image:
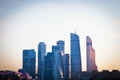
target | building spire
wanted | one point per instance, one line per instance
(76, 29)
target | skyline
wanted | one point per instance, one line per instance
(23, 26)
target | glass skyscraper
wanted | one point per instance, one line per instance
(53, 65)
(64, 58)
(58, 63)
(49, 66)
(61, 44)
(91, 65)
(76, 65)
(66, 66)
(29, 62)
(41, 55)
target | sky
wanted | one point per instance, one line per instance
(25, 23)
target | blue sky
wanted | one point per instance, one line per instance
(23, 24)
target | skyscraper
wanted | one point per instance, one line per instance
(29, 62)
(65, 58)
(53, 65)
(66, 66)
(49, 66)
(41, 54)
(61, 44)
(91, 65)
(58, 63)
(76, 65)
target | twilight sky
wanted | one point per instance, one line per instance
(23, 24)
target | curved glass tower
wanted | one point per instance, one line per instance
(91, 65)
(76, 65)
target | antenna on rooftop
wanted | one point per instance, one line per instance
(76, 29)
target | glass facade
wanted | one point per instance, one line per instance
(61, 44)
(53, 69)
(49, 66)
(58, 63)
(29, 62)
(76, 65)
(41, 54)
(91, 65)
(66, 66)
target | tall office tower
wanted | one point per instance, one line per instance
(29, 62)
(41, 54)
(91, 65)
(66, 66)
(58, 63)
(76, 65)
(65, 58)
(49, 66)
(61, 44)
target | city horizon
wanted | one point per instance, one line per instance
(50, 51)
